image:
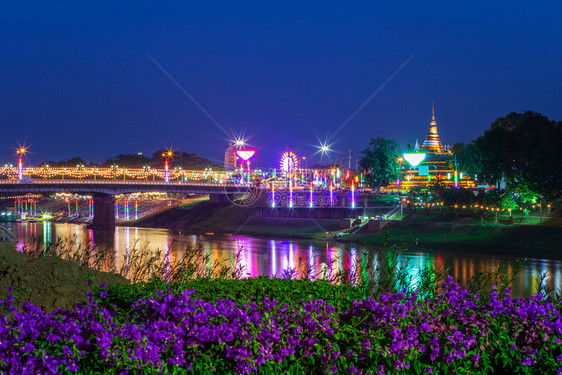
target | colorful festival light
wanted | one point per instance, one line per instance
(289, 162)
(414, 158)
(352, 194)
(167, 155)
(245, 154)
(290, 194)
(311, 199)
(21, 151)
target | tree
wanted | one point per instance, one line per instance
(523, 148)
(534, 151)
(128, 160)
(72, 162)
(492, 147)
(468, 157)
(380, 160)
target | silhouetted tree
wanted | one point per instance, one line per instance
(380, 160)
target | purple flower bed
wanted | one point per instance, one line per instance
(451, 333)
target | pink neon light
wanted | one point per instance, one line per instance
(245, 154)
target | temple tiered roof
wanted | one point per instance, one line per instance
(432, 143)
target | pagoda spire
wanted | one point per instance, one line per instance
(432, 143)
(433, 113)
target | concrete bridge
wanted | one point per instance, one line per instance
(103, 192)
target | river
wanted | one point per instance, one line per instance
(261, 256)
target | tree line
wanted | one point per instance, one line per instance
(177, 159)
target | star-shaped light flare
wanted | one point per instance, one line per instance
(324, 149)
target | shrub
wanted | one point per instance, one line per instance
(175, 332)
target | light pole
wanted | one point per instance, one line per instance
(114, 168)
(167, 155)
(146, 171)
(21, 151)
(80, 168)
(179, 173)
(456, 183)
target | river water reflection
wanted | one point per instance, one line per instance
(261, 256)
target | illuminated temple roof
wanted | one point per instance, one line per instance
(432, 142)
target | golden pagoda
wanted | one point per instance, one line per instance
(437, 166)
(432, 143)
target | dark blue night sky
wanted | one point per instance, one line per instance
(76, 78)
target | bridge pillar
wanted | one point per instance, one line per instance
(221, 199)
(104, 212)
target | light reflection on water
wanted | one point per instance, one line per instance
(270, 257)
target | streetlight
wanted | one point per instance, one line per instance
(21, 151)
(80, 167)
(167, 155)
(114, 167)
(146, 170)
(179, 173)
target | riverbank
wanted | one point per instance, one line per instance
(456, 232)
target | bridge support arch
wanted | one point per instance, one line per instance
(104, 212)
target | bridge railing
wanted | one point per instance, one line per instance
(119, 182)
(115, 173)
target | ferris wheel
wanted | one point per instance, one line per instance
(289, 162)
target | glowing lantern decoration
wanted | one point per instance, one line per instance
(245, 154)
(414, 158)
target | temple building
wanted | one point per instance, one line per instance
(230, 157)
(432, 143)
(438, 164)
